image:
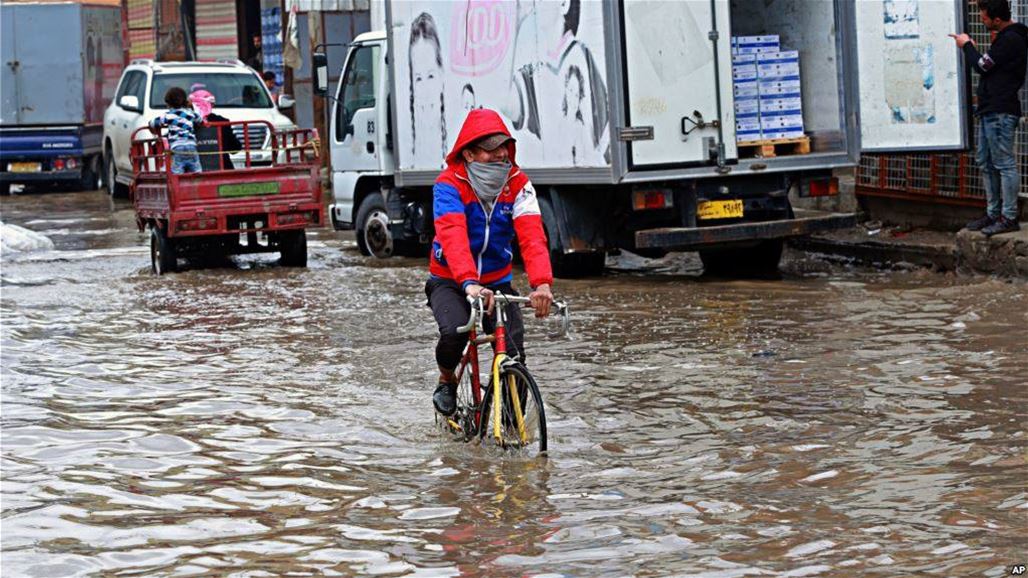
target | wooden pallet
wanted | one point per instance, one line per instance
(774, 147)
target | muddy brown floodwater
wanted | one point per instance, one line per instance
(252, 420)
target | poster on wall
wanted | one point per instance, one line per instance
(911, 76)
(541, 65)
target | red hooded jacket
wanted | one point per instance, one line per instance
(472, 245)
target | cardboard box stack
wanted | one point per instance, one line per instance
(766, 84)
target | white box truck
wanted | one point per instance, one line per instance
(624, 116)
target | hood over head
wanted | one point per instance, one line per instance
(481, 122)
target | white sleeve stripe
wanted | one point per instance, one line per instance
(526, 202)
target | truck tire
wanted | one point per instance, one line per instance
(293, 246)
(163, 257)
(568, 265)
(758, 261)
(114, 189)
(89, 181)
(372, 227)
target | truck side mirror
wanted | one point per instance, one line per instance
(285, 101)
(319, 64)
(130, 102)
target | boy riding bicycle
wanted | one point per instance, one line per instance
(480, 201)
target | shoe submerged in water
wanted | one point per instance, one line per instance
(445, 398)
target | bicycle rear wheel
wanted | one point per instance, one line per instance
(463, 422)
(528, 434)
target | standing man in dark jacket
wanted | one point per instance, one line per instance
(1002, 71)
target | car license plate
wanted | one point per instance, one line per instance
(24, 167)
(719, 209)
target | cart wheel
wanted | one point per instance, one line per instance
(163, 258)
(293, 245)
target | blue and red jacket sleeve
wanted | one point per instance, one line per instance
(451, 228)
(528, 225)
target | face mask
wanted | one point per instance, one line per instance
(488, 178)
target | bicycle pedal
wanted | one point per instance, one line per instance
(454, 425)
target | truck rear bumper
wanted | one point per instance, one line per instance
(694, 238)
(268, 219)
(43, 176)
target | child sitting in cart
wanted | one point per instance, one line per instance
(180, 120)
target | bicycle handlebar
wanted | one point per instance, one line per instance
(478, 311)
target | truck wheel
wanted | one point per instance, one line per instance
(759, 261)
(568, 265)
(373, 235)
(114, 189)
(293, 245)
(90, 179)
(163, 257)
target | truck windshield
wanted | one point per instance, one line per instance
(230, 90)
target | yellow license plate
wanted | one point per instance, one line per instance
(719, 209)
(24, 167)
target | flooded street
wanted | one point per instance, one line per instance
(255, 420)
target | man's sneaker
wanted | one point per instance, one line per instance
(979, 224)
(445, 398)
(1002, 225)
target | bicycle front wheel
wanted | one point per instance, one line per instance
(522, 417)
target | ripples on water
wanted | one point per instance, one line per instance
(256, 421)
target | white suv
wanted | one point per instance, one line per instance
(239, 94)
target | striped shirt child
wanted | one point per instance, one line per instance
(180, 123)
(181, 138)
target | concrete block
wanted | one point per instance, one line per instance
(1005, 255)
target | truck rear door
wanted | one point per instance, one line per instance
(675, 82)
(8, 77)
(911, 77)
(49, 54)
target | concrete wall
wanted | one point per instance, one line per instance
(919, 214)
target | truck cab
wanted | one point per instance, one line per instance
(360, 139)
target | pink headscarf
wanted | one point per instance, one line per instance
(203, 102)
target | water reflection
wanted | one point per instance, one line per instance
(252, 419)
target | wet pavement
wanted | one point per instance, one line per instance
(253, 420)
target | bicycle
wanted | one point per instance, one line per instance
(519, 420)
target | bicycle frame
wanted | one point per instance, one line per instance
(470, 357)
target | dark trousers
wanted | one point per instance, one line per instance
(452, 310)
